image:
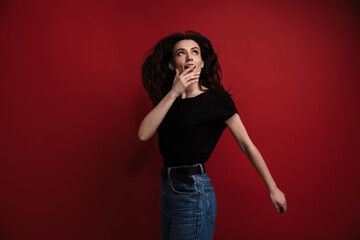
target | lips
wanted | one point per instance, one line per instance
(189, 66)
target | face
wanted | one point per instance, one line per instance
(186, 53)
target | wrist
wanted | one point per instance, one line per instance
(272, 188)
(173, 94)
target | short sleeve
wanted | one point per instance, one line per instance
(226, 107)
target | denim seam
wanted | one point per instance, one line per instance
(198, 220)
(186, 193)
(207, 206)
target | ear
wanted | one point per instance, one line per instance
(171, 66)
(202, 63)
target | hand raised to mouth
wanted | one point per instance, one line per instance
(183, 80)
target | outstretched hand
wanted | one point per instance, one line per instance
(278, 198)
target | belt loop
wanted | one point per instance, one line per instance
(168, 172)
(202, 169)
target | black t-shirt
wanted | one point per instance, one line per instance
(192, 127)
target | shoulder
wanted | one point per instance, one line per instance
(220, 100)
(221, 94)
(218, 91)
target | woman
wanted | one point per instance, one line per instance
(191, 110)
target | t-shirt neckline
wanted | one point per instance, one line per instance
(191, 98)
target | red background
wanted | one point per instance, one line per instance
(72, 100)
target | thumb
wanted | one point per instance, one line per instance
(176, 73)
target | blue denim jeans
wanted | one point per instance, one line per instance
(188, 211)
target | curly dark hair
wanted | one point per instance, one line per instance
(158, 77)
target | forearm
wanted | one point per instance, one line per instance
(153, 119)
(259, 164)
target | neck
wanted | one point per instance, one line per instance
(191, 91)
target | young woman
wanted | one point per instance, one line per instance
(191, 110)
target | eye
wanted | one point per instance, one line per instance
(180, 53)
(196, 52)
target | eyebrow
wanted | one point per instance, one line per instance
(184, 49)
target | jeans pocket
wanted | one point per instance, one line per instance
(211, 207)
(183, 188)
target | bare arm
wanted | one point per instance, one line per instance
(239, 132)
(151, 122)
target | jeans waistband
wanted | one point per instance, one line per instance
(182, 173)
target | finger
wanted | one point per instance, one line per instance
(195, 79)
(192, 76)
(176, 73)
(192, 81)
(283, 207)
(276, 206)
(187, 71)
(282, 210)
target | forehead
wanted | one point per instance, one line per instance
(186, 44)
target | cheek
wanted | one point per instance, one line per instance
(178, 61)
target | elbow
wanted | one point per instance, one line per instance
(247, 147)
(142, 137)
(144, 133)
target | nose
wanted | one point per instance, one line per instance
(189, 57)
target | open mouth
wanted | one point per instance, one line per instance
(189, 66)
